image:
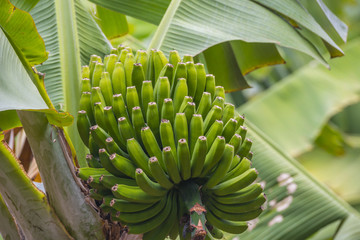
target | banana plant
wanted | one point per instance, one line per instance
(44, 99)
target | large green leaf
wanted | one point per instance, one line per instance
(113, 24)
(295, 11)
(22, 33)
(149, 11)
(25, 5)
(297, 204)
(71, 35)
(297, 107)
(15, 81)
(211, 22)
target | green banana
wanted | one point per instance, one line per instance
(118, 79)
(247, 194)
(229, 112)
(143, 215)
(153, 222)
(96, 76)
(245, 148)
(241, 207)
(236, 160)
(219, 92)
(110, 65)
(167, 135)
(250, 155)
(85, 72)
(183, 156)
(99, 135)
(133, 194)
(85, 85)
(180, 92)
(229, 129)
(210, 85)
(167, 111)
(125, 206)
(242, 130)
(213, 156)
(150, 73)
(147, 95)
(137, 122)
(184, 103)
(138, 155)
(110, 181)
(188, 58)
(123, 164)
(234, 216)
(93, 193)
(96, 96)
(189, 111)
(94, 150)
(119, 106)
(85, 172)
(196, 130)
(163, 91)
(219, 101)
(163, 229)
(106, 60)
(111, 126)
(205, 104)
(214, 114)
(171, 165)
(236, 142)
(222, 167)
(191, 78)
(214, 131)
(180, 72)
(151, 145)
(201, 81)
(180, 127)
(114, 51)
(126, 130)
(112, 147)
(174, 58)
(86, 105)
(92, 161)
(106, 163)
(243, 166)
(157, 171)
(236, 183)
(167, 71)
(214, 232)
(132, 99)
(226, 225)
(137, 77)
(147, 185)
(159, 62)
(153, 120)
(128, 66)
(142, 58)
(99, 115)
(198, 156)
(240, 119)
(83, 125)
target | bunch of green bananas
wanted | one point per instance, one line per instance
(167, 156)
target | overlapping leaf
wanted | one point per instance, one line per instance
(297, 107)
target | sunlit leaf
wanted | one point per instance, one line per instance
(21, 31)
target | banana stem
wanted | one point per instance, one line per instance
(190, 193)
